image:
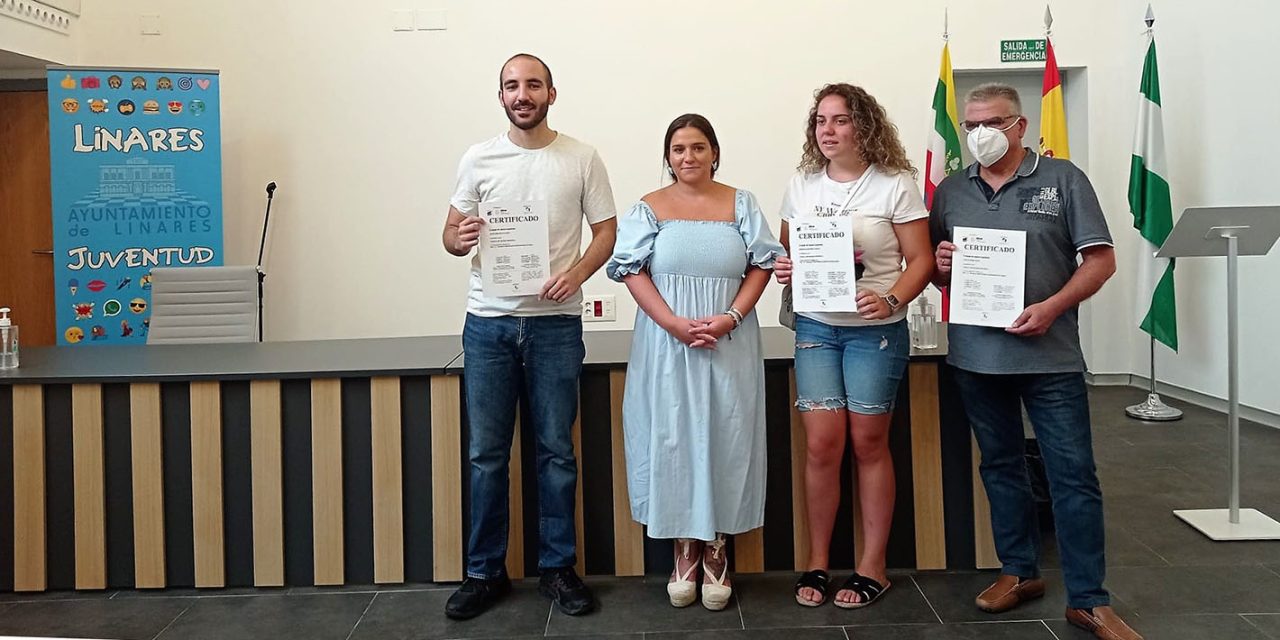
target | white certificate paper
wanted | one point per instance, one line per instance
(514, 248)
(988, 276)
(823, 276)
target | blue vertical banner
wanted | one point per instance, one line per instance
(136, 156)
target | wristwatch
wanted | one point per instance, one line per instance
(893, 302)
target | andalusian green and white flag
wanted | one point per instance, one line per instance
(1152, 211)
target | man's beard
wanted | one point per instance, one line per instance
(540, 114)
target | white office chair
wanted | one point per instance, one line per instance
(203, 304)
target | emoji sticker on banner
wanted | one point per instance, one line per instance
(68, 82)
(74, 285)
(125, 107)
(197, 107)
(90, 82)
(184, 83)
(98, 106)
(163, 83)
(146, 326)
(114, 82)
(175, 107)
(111, 308)
(151, 107)
(145, 282)
(137, 305)
(138, 83)
(70, 105)
(74, 335)
(124, 282)
(125, 329)
(203, 83)
(97, 285)
(84, 310)
(98, 332)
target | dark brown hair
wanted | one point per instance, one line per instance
(877, 135)
(550, 83)
(697, 122)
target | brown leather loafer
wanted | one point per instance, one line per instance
(1009, 592)
(1103, 622)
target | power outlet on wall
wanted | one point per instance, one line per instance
(598, 309)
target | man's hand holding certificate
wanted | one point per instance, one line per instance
(514, 248)
(988, 276)
(824, 276)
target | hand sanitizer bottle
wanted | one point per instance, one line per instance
(8, 341)
(924, 325)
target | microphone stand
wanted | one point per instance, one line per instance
(262, 275)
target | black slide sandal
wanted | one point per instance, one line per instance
(867, 589)
(819, 581)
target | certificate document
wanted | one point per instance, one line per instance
(823, 272)
(514, 248)
(988, 276)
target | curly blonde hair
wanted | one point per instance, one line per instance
(877, 135)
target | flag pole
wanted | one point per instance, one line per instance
(1154, 409)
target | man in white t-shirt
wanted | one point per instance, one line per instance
(527, 344)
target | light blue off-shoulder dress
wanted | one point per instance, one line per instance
(693, 419)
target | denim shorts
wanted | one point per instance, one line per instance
(854, 368)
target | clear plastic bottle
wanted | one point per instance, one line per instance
(8, 341)
(924, 325)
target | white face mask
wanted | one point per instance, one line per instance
(989, 145)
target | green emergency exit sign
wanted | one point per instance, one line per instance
(1022, 51)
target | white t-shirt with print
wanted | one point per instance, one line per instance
(567, 174)
(880, 201)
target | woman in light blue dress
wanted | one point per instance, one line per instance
(696, 256)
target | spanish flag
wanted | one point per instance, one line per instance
(1053, 118)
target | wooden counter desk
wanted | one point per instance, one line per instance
(344, 462)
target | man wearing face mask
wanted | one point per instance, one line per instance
(527, 345)
(1036, 362)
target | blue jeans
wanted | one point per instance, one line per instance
(854, 368)
(1058, 405)
(546, 352)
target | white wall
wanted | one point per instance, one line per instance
(33, 41)
(362, 127)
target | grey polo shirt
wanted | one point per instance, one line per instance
(1053, 202)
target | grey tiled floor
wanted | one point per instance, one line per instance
(1168, 580)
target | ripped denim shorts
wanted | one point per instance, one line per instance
(854, 368)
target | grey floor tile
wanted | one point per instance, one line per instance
(1031, 630)
(630, 605)
(1123, 550)
(1156, 591)
(420, 615)
(810, 633)
(952, 594)
(1192, 627)
(278, 617)
(187, 592)
(372, 588)
(99, 618)
(1269, 624)
(1182, 545)
(768, 601)
(44, 596)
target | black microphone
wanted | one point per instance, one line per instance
(262, 275)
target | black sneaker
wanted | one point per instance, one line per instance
(475, 596)
(566, 590)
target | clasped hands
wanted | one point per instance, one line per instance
(699, 333)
